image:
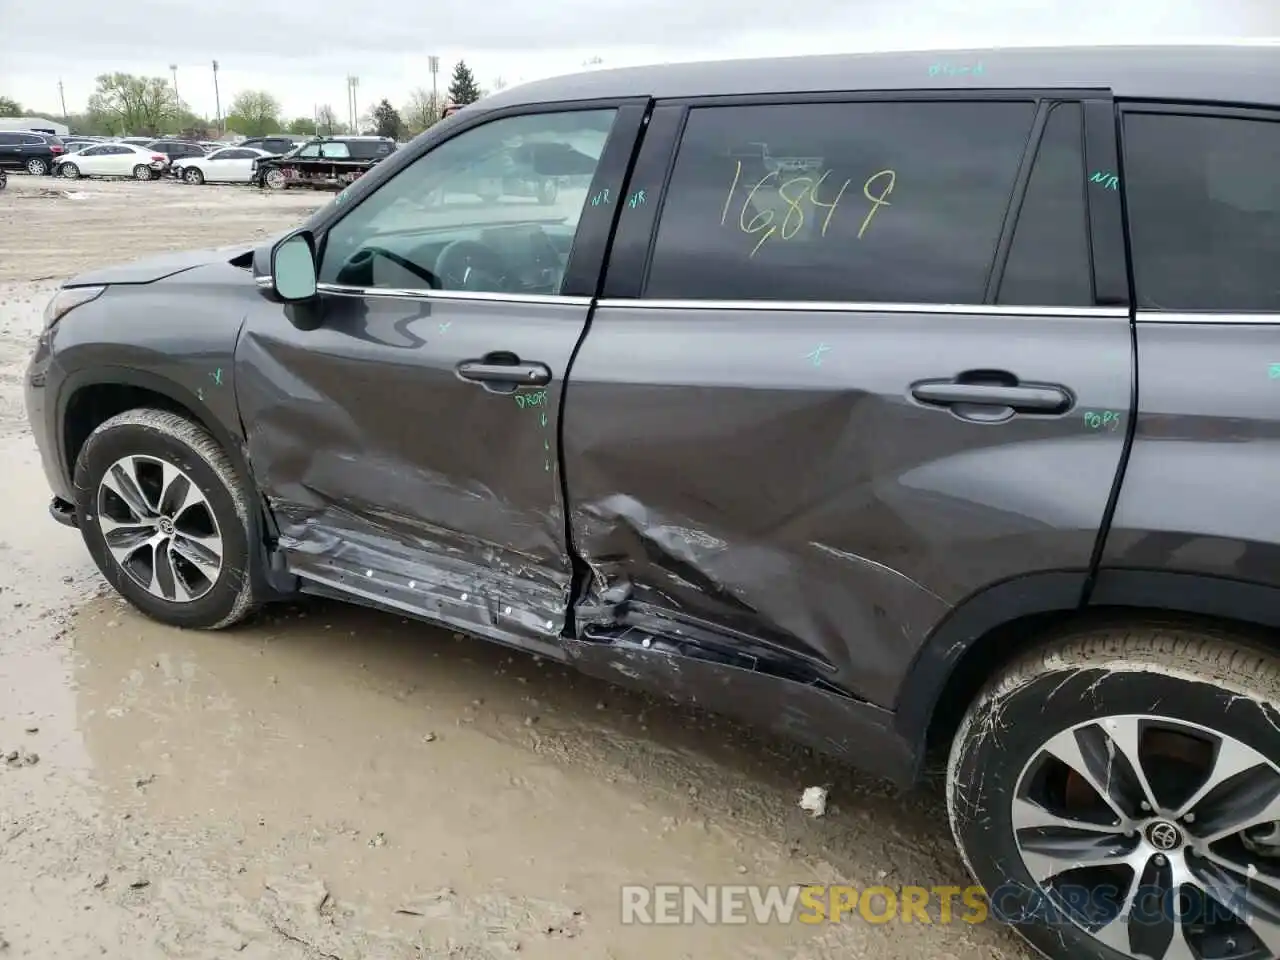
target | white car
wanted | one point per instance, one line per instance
(112, 160)
(231, 165)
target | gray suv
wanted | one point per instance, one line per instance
(849, 395)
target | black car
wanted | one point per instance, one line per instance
(896, 402)
(33, 152)
(276, 143)
(324, 162)
(176, 149)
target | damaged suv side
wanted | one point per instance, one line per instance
(886, 406)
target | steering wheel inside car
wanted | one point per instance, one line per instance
(364, 257)
(469, 265)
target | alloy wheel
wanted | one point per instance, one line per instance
(160, 528)
(1158, 837)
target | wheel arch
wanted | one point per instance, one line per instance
(88, 400)
(85, 402)
(994, 626)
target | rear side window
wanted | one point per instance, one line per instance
(1203, 196)
(855, 202)
(34, 141)
(1048, 261)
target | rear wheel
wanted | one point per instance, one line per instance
(1118, 796)
(166, 518)
(37, 167)
(142, 172)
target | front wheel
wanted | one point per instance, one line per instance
(193, 175)
(166, 518)
(142, 172)
(69, 170)
(1118, 796)
(276, 179)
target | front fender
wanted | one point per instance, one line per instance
(175, 337)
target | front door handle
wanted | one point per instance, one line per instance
(509, 375)
(994, 389)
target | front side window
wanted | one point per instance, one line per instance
(1203, 198)
(494, 209)
(855, 202)
(94, 151)
(335, 151)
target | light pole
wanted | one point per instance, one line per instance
(217, 100)
(353, 101)
(434, 63)
(63, 97)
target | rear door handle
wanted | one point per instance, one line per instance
(1027, 398)
(505, 374)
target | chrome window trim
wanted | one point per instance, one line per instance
(954, 309)
(822, 306)
(394, 293)
(1209, 317)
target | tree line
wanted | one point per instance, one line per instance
(125, 104)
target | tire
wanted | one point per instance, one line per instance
(193, 175)
(160, 441)
(142, 172)
(275, 179)
(37, 167)
(69, 170)
(1191, 700)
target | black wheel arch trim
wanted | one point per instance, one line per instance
(968, 622)
(270, 578)
(1066, 593)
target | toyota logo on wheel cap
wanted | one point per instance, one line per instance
(1164, 835)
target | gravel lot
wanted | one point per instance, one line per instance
(333, 783)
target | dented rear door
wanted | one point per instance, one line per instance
(407, 446)
(869, 368)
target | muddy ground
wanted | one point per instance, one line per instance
(328, 782)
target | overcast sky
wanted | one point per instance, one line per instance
(260, 44)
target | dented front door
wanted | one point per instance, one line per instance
(407, 446)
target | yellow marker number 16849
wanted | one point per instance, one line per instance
(793, 193)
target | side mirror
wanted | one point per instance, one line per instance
(293, 267)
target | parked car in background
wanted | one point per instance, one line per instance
(332, 162)
(113, 160)
(32, 152)
(276, 144)
(76, 145)
(176, 149)
(136, 141)
(229, 165)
